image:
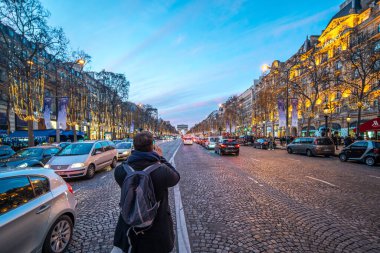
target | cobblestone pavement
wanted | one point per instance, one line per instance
(98, 208)
(270, 201)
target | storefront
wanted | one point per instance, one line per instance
(312, 131)
(370, 130)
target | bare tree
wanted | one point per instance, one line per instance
(31, 43)
(361, 69)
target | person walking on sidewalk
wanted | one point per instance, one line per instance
(336, 140)
(159, 237)
(271, 143)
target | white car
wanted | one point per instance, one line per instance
(188, 141)
(37, 211)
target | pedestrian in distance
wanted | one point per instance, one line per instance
(347, 141)
(271, 143)
(158, 234)
(335, 140)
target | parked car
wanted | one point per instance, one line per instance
(6, 151)
(124, 150)
(37, 211)
(117, 141)
(30, 157)
(362, 151)
(82, 159)
(227, 146)
(312, 146)
(211, 142)
(262, 143)
(61, 145)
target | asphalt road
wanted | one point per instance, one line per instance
(261, 201)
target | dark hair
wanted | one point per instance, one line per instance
(143, 142)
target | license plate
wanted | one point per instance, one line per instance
(230, 146)
(327, 150)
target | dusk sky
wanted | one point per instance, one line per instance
(186, 57)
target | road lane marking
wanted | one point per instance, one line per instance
(322, 181)
(253, 159)
(253, 180)
(77, 190)
(182, 234)
(103, 176)
(374, 176)
(294, 160)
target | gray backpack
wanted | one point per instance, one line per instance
(138, 202)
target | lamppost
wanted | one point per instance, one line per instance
(348, 124)
(263, 128)
(326, 111)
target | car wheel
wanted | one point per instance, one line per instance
(343, 157)
(114, 163)
(215, 151)
(370, 161)
(59, 235)
(309, 153)
(290, 151)
(90, 171)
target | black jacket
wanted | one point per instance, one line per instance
(160, 237)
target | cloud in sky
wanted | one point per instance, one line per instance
(184, 57)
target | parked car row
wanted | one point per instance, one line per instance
(220, 145)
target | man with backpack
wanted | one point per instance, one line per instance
(145, 224)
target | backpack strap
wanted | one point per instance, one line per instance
(128, 168)
(152, 168)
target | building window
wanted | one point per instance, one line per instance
(338, 65)
(377, 46)
(376, 66)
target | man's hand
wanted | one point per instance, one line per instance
(158, 150)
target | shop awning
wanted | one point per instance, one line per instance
(371, 125)
(70, 133)
(334, 126)
(37, 133)
(312, 128)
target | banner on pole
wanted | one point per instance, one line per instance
(132, 128)
(294, 112)
(281, 112)
(62, 112)
(47, 112)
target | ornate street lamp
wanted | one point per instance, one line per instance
(326, 112)
(348, 124)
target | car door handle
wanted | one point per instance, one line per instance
(42, 209)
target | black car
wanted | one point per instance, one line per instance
(263, 143)
(30, 157)
(362, 151)
(227, 146)
(6, 152)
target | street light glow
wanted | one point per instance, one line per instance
(265, 67)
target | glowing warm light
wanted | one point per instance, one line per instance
(346, 94)
(81, 62)
(308, 103)
(265, 67)
(319, 101)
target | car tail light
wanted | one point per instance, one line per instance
(265, 143)
(237, 146)
(70, 188)
(223, 146)
(376, 151)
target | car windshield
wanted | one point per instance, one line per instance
(124, 145)
(76, 149)
(214, 139)
(34, 152)
(324, 141)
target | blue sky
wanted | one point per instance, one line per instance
(186, 57)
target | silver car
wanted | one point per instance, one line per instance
(37, 211)
(124, 150)
(82, 159)
(312, 146)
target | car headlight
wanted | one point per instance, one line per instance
(23, 165)
(77, 165)
(47, 166)
(125, 152)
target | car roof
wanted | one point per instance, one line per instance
(11, 172)
(42, 147)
